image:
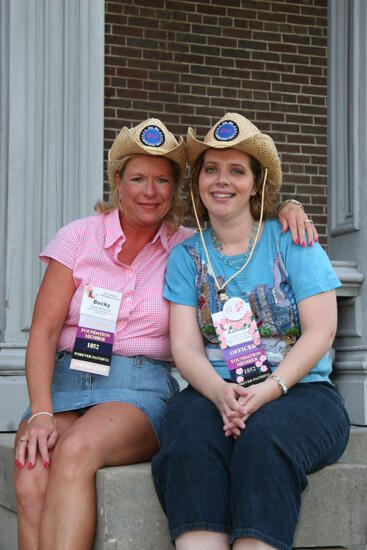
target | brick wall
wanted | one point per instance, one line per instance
(189, 62)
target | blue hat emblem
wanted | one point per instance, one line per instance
(226, 131)
(152, 136)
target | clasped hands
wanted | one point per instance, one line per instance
(236, 404)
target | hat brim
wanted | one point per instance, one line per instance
(125, 145)
(260, 146)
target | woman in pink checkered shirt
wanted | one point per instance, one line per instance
(81, 421)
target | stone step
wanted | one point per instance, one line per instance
(8, 518)
(334, 509)
(333, 514)
(356, 451)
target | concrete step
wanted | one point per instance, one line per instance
(333, 514)
(356, 451)
(333, 511)
(8, 517)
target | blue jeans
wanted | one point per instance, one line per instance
(250, 487)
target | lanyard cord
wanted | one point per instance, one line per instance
(220, 289)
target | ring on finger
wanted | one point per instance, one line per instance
(308, 221)
(23, 440)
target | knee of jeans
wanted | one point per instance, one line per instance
(258, 434)
(182, 456)
(181, 450)
(261, 445)
(268, 451)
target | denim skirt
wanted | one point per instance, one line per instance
(250, 487)
(140, 381)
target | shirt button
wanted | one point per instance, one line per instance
(139, 361)
(128, 299)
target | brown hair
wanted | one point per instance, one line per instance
(271, 197)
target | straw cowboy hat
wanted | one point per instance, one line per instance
(150, 137)
(237, 132)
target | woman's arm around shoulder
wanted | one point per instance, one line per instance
(292, 217)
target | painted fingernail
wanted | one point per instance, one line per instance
(16, 462)
(296, 241)
(20, 465)
(310, 243)
(317, 239)
(30, 466)
(45, 464)
(303, 244)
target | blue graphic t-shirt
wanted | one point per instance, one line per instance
(278, 276)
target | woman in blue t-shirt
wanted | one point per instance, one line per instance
(253, 318)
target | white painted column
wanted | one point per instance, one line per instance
(52, 98)
(347, 191)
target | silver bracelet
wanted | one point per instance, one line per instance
(293, 201)
(39, 413)
(283, 386)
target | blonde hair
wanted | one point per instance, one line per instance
(174, 216)
(271, 198)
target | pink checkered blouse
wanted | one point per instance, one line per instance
(89, 247)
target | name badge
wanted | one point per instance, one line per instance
(96, 330)
(240, 341)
